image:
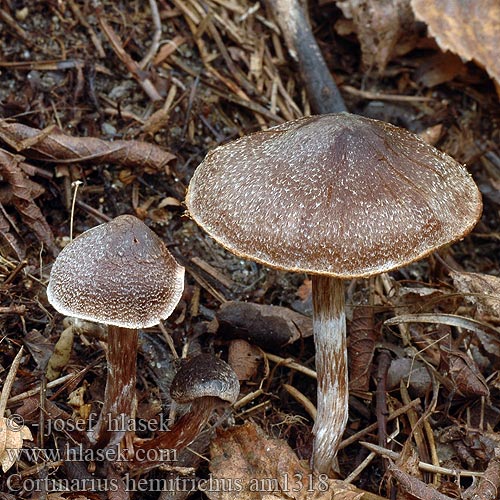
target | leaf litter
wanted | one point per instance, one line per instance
(221, 69)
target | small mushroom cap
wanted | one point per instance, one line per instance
(119, 273)
(338, 194)
(205, 375)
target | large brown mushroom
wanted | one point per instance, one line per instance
(120, 274)
(338, 196)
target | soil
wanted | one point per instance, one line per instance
(219, 76)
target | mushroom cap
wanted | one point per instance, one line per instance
(205, 375)
(119, 273)
(338, 194)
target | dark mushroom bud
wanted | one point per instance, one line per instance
(120, 274)
(338, 196)
(205, 382)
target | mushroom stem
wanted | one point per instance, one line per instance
(119, 396)
(183, 432)
(331, 366)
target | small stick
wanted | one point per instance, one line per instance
(247, 399)
(36, 390)
(489, 485)
(83, 21)
(291, 364)
(321, 88)
(394, 455)
(362, 466)
(372, 427)
(214, 273)
(415, 424)
(302, 399)
(9, 380)
(169, 340)
(384, 361)
(76, 185)
(155, 42)
(15, 309)
(415, 487)
(385, 97)
(132, 66)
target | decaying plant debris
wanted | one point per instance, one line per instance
(108, 107)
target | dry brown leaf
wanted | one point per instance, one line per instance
(56, 146)
(22, 193)
(253, 467)
(415, 487)
(244, 358)
(385, 28)
(264, 325)
(361, 347)
(468, 28)
(465, 375)
(482, 290)
(11, 441)
(39, 347)
(11, 245)
(439, 68)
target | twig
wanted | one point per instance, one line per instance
(384, 97)
(155, 41)
(83, 21)
(291, 364)
(489, 484)
(394, 455)
(302, 399)
(384, 361)
(14, 25)
(36, 390)
(415, 487)
(362, 466)
(321, 88)
(14, 309)
(372, 427)
(415, 424)
(248, 398)
(9, 380)
(132, 66)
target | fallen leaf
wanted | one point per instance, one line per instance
(439, 68)
(482, 290)
(23, 192)
(39, 347)
(244, 358)
(467, 380)
(266, 326)
(56, 146)
(470, 29)
(12, 434)
(385, 28)
(362, 338)
(252, 466)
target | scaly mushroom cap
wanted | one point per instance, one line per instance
(338, 194)
(119, 273)
(205, 375)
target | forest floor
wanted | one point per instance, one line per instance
(181, 81)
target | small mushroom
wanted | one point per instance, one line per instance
(205, 382)
(338, 196)
(120, 274)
